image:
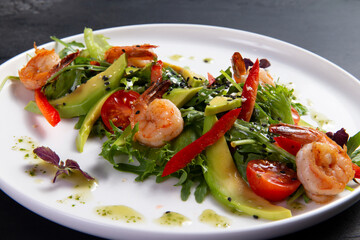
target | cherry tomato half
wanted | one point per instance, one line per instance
(288, 144)
(117, 108)
(271, 180)
(356, 168)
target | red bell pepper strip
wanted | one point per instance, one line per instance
(49, 112)
(288, 145)
(211, 79)
(185, 155)
(156, 71)
(248, 95)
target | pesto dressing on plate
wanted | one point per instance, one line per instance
(211, 218)
(120, 213)
(173, 219)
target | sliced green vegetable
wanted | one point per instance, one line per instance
(227, 186)
(180, 96)
(87, 124)
(87, 94)
(221, 104)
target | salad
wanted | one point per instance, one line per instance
(238, 136)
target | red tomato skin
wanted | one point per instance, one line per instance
(117, 108)
(288, 145)
(271, 180)
(356, 168)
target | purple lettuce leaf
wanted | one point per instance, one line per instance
(264, 63)
(71, 164)
(47, 155)
(51, 157)
(340, 137)
(59, 172)
(248, 63)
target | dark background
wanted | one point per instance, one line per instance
(329, 28)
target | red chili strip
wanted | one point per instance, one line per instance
(211, 79)
(49, 112)
(185, 155)
(248, 95)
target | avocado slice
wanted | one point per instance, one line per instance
(192, 79)
(180, 96)
(227, 186)
(221, 104)
(86, 95)
(90, 118)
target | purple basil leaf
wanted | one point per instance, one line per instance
(340, 137)
(248, 63)
(59, 172)
(75, 166)
(264, 63)
(47, 155)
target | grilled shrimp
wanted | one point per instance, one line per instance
(42, 66)
(159, 119)
(323, 167)
(241, 73)
(137, 55)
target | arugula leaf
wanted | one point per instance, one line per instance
(253, 141)
(276, 102)
(353, 143)
(186, 190)
(69, 47)
(201, 190)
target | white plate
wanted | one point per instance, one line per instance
(331, 91)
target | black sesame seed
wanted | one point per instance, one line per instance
(137, 45)
(256, 216)
(282, 171)
(105, 78)
(106, 83)
(167, 212)
(137, 112)
(195, 77)
(64, 104)
(86, 67)
(123, 50)
(229, 199)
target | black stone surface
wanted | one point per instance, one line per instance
(328, 28)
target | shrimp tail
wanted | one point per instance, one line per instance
(238, 66)
(156, 90)
(64, 63)
(297, 133)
